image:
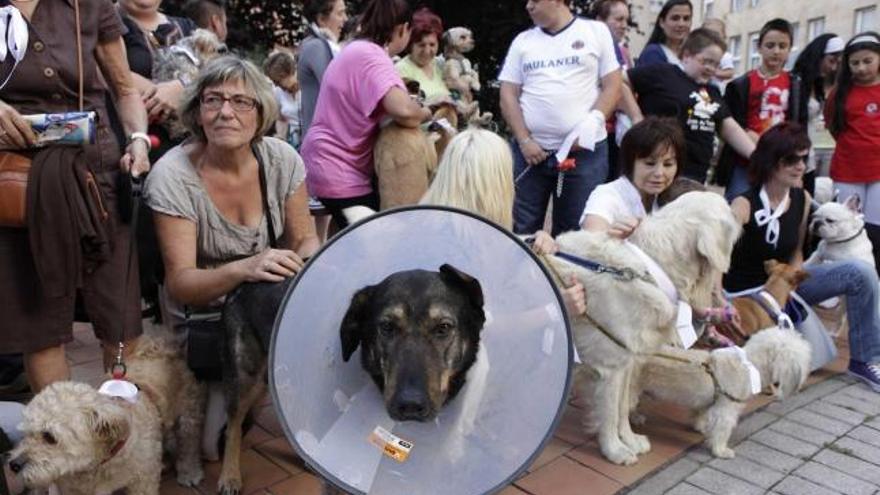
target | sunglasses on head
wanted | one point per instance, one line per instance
(795, 158)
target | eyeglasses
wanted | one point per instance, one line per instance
(795, 159)
(708, 63)
(239, 103)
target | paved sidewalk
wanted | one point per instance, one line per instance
(825, 440)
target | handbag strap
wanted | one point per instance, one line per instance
(79, 53)
(273, 239)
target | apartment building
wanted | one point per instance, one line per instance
(744, 19)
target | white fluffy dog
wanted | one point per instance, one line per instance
(691, 238)
(716, 386)
(88, 442)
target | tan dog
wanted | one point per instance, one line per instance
(88, 442)
(715, 385)
(783, 279)
(406, 158)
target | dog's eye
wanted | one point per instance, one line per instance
(386, 329)
(49, 438)
(443, 329)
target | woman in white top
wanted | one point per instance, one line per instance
(649, 155)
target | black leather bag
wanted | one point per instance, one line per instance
(205, 348)
(205, 331)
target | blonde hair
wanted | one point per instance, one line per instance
(476, 174)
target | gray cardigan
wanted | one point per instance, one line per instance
(314, 57)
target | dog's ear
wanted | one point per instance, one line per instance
(854, 203)
(770, 266)
(110, 424)
(469, 284)
(711, 245)
(350, 329)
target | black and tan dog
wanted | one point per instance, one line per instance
(419, 332)
(248, 319)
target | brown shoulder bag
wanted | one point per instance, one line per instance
(15, 167)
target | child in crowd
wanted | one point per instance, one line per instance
(853, 114)
(281, 69)
(686, 93)
(760, 99)
(726, 69)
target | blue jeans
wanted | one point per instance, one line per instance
(739, 182)
(857, 281)
(537, 183)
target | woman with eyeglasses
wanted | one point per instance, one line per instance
(230, 206)
(774, 214)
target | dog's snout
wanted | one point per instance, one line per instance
(410, 405)
(18, 463)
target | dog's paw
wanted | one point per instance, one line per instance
(229, 486)
(620, 455)
(190, 475)
(638, 443)
(723, 452)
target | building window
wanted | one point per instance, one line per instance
(795, 46)
(736, 5)
(754, 56)
(733, 47)
(865, 20)
(708, 8)
(753, 3)
(815, 27)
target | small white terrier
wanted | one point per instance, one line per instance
(88, 442)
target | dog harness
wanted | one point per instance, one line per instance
(769, 304)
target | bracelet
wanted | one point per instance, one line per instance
(527, 140)
(142, 136)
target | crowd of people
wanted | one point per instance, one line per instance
(254, 168)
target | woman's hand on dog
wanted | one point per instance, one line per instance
(542, 243)
(272, 265)
(163, 99)
(623, 227)
(574, 297)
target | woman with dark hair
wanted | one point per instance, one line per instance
(326, 18)
(670, 30)
(817, 67)
(421, 63)
(359, 89)
(650, 154)
(774, 214)
(852, 112)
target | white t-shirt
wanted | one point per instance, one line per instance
(559, 75)
(615, 200)
(288, 105)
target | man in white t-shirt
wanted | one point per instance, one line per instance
(559, 83)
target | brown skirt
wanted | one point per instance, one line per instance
(30, 322)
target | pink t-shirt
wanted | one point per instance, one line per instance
(338, 149)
